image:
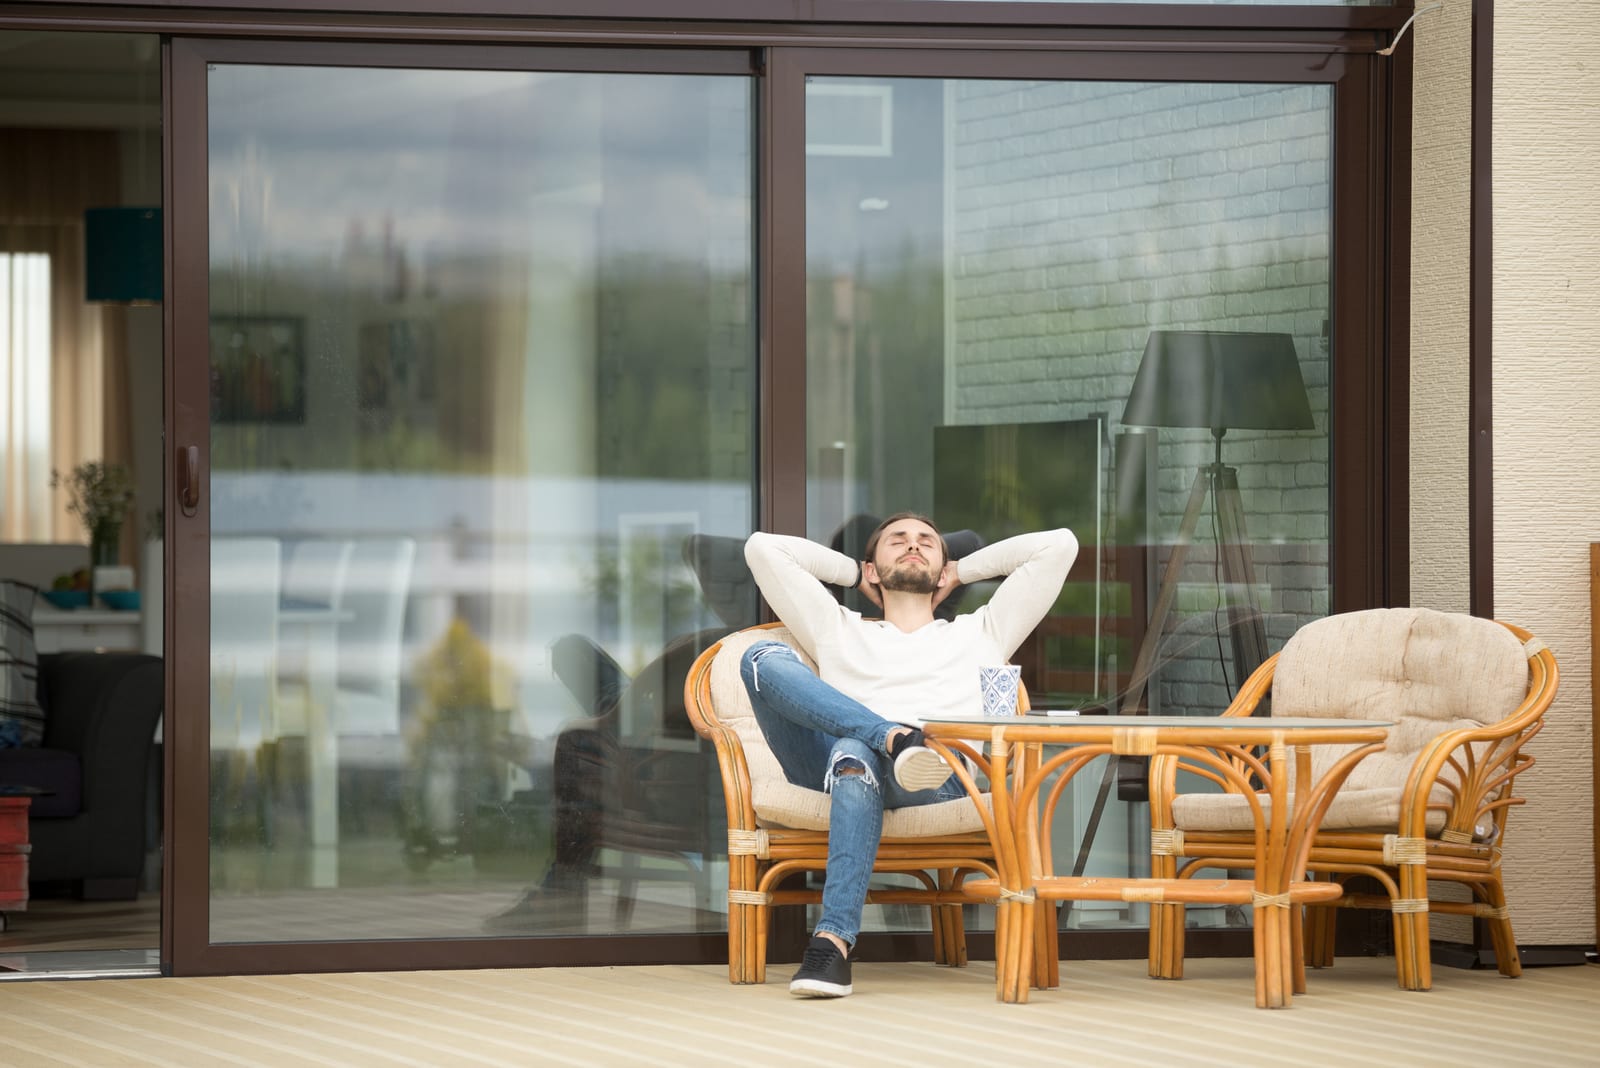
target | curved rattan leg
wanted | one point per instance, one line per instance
(1023, 938)
(1506, 957)
(1013, 934)
(1273, 924)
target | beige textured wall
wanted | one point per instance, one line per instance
(1440, 288)
(1441, 204)
(1547, 448)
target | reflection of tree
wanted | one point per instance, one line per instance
(663, 338)
(670, 334)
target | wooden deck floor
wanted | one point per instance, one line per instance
(1106, 1013)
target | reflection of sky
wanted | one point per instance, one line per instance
(458, 160)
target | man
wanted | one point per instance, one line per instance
(854, 727)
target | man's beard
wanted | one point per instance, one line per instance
(908, 579)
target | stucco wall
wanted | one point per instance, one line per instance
(1547, 450)
(1440, 287)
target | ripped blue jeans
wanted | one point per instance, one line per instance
(824, 739)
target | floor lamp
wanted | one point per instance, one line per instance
(1220, 380)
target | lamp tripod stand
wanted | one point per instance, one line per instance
(1246, 626)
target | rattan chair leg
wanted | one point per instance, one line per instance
(742, 960)
(762, 915)
(955, 937)
(941, 943)
(1166, 941)
(1412, 949)
(1507, 959)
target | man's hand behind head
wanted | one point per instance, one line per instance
(948, 583)
(869, 589)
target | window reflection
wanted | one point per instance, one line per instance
(482, 377)
(987, 264)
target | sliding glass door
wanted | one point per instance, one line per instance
(1095, 293)
(486, 361)
(480, 363)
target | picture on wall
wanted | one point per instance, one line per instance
(258, 369)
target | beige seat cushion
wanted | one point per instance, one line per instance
(1426, 672)
(780, 803)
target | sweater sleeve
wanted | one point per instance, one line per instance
(1035, 566)
(790, 572)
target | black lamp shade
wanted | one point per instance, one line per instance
(122, 255)
(1220, 379)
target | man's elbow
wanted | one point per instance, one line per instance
(759, 547)
(1063, 547)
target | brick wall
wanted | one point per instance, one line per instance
(1086, 214)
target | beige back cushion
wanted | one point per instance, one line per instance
(780, 803)
(1424, 671)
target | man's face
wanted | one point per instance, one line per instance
(909, 558)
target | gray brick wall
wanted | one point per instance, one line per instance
(1086, 214)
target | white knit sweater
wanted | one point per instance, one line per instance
(933, 670)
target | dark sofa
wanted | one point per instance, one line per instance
(95, 760)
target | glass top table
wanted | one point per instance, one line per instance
(1250, 754)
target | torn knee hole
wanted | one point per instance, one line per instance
(851, 766)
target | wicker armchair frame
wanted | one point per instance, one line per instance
(1477, 767)
(761, 858)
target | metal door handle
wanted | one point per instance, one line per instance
(188, 478)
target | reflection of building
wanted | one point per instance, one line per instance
(633, 335)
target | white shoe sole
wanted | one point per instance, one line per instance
(920, 768)
(817, 988)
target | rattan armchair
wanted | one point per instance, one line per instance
(1464, 694)
(777, 829)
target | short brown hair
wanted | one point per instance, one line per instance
(871, 550)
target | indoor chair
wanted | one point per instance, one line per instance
(1463, 694)
(777, 829)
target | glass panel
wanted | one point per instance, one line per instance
(482, 358)
(1012, 287)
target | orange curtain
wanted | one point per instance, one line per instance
(50, 177)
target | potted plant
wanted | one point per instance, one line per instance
(457, 747)
(101, 495)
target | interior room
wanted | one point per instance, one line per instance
(80, 517)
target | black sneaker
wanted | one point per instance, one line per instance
(824, 972)
(916, 767)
